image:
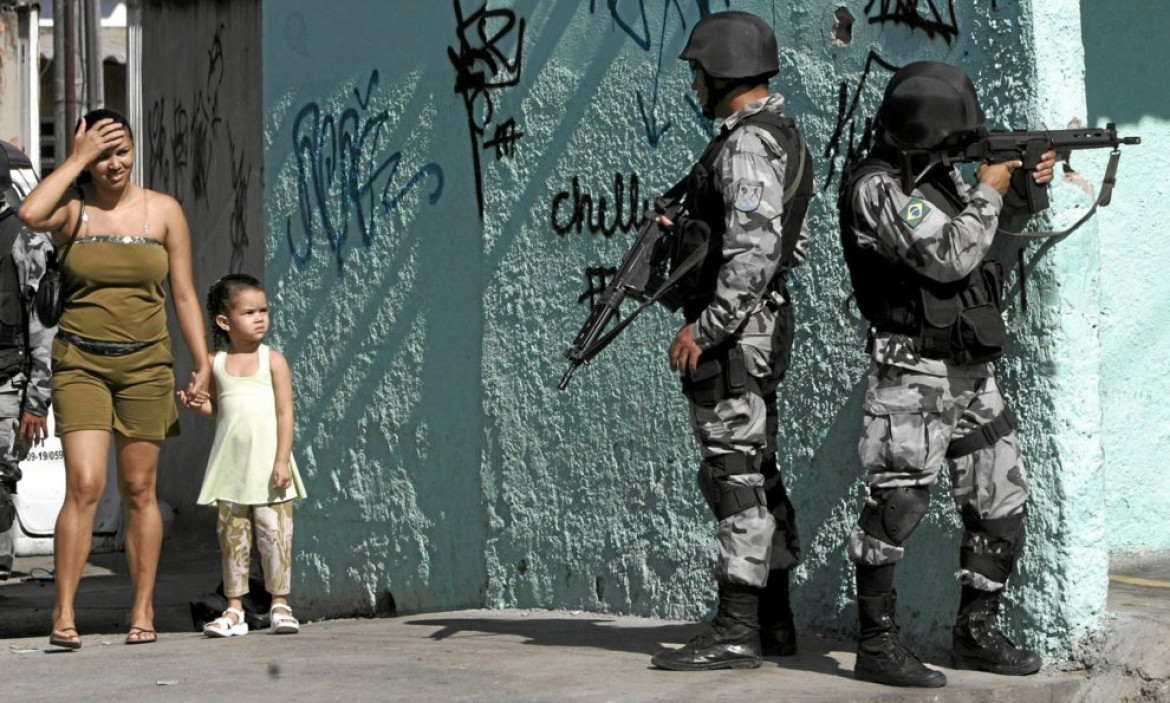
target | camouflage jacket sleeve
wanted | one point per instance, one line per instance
(907, 228)
(30, 253)
(751, 167)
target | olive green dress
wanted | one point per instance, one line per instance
(115, 296)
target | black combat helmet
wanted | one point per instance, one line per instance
(733, 45)
(927, 102)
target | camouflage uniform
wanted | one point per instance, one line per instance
(28, 389)
(752, 167)
(917, 407)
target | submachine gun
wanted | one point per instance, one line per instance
(642, 276)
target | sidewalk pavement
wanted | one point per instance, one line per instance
(484, 655)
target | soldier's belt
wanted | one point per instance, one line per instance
(100, 347)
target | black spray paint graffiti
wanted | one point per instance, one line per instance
(639, 31)
(627, 210)
(846, 118)
(342, 174)
(596, 279)
(483, 36)
(237, 226)
(182, 150)
(908, 13)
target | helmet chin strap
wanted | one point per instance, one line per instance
(716, 95)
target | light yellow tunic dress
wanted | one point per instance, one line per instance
(239, 469)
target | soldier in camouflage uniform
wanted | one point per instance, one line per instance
(915, 238)
(746, 200)
(24, 356)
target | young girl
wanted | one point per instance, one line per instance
(251, 476)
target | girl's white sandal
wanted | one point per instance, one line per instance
(223, 626)
(283, 623)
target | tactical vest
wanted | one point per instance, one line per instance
(706, 208)
(959, 321)
(12, 318)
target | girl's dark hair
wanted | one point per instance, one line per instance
(219, 302)
(93, 117)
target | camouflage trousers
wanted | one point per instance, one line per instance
(273, 525)
(910, 420)
(761, 538)
(12, 452)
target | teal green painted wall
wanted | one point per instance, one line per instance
(1126, 83)
(444, 465)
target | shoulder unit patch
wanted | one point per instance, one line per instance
(748, 195)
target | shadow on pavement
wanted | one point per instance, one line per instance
(565, 630)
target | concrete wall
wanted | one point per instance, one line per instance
(201, 143)
(1121, 72)
(428, 262)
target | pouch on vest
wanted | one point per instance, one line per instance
(967, 327)
(689, 234)
(980, 335)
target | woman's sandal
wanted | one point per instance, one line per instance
(141, 635)
(283, 623)
(225, 626)
(62, 638)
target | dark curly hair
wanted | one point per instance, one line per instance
(219, 302)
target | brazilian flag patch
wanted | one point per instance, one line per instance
(915, 212)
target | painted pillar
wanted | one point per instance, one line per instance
(1122, 76)
(1061, 588)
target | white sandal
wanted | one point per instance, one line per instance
(224, 626)
(283, 623)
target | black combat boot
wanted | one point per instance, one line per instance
(777, 632)
(732, 641)
(977, 644)
(881, 658)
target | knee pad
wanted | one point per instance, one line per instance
(724, 498)
(991, 545)
(896, 513)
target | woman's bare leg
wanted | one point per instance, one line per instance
(86, 460)
(137, 474)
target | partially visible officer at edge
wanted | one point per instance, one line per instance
(916, 252)
(737, 341)
(24, 353)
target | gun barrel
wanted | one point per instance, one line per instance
(568, 375)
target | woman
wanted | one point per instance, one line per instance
(112, 363)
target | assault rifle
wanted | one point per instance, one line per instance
(1028, 147)
(642, 275)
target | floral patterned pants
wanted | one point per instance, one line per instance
(273, 525)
